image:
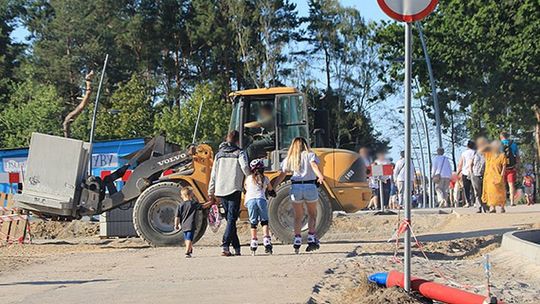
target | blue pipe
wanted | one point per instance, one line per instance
(378, 278)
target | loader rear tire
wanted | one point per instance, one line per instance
(281, 214)
(154, 212)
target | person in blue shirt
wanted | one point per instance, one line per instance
(511, 152)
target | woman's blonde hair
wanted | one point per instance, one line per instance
(294, 155)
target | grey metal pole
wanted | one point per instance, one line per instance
(424, 193)
(408, 177)
(431, 187)
(197, 123)
(428, 143)
(433, 87)
(96, 105)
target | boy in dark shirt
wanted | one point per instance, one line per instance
(186, 217)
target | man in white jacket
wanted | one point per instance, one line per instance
(441, 172)
(226, 184)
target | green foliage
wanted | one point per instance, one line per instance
(485, 58)
(178, 123)
(9, 51)
(356, 80)
(32, 107)
(166, 57)
(131, 112)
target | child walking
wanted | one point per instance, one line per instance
(528, 187)
(256, 185)
(186, 217)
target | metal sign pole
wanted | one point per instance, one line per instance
(381, 194)
(408, 139)
(96, 105)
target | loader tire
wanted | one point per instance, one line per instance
(154, 213)
(281, 215)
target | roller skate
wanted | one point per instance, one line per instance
(253, 246)
(313, 243)
(267, 241)
(297, 242)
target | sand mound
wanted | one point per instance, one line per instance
(63, 230)
(469, 248)
(347, 283)
(367, 293)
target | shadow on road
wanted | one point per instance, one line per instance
(70, 282)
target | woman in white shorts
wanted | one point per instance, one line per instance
(303, 164)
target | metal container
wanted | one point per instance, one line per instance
(117, 223)
(56, 168)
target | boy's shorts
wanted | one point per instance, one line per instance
(510, 175)
(257, 210)
(301, 193)
(188, 235)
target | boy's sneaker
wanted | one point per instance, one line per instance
(313, 243)
(267, 242)
(188, 255)
(253, 245)
(297, 242)
(237, 252)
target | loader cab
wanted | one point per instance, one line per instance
(268, 120)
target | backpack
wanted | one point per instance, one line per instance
(509, 154)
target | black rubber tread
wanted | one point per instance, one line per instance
(140, 219)
(284, 234)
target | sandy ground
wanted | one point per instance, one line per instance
(74, 268)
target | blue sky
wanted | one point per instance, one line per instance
(368, 8)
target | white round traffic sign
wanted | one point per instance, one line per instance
(407, 10)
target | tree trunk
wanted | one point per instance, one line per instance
(453, 142)
(536, 110)
(537, 129)
(80, 107)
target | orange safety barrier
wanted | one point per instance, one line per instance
(14, 225)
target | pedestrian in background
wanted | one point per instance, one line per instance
(454, 189)
(399, 177)
(494, 189)
(441, 172)
(365, 156)
(385, 180)
(528, 185)
(511, 153)
(464, 170)
(372, 182)
(478, 167)
(226, 184)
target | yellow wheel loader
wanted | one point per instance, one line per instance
(56, 182)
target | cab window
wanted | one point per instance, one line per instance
(292, 119)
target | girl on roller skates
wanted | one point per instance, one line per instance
(303, 164)
(256, 186)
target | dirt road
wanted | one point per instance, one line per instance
(163, 275)
(128, 271)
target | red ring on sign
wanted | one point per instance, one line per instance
(408, 18)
